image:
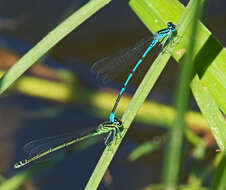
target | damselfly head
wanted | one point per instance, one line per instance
(171, 26)
(117, 121)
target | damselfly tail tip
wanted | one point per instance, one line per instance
(20, 164)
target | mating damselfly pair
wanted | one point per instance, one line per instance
(106, 68)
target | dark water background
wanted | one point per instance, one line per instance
(22, 24)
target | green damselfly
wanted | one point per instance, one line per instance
(42, 147)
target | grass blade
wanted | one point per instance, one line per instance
(219, 182)
(174, 151)
(49, 41)
(210, 111)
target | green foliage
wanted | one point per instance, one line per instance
(174, 152)
(143, 149)
(49, 41)
(210, 111)
(17, 180)
(209, 54)
(208, 84)
(219, 182)
(209, 91)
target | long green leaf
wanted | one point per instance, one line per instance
(210, 111)
(49, 41)
(174, 151)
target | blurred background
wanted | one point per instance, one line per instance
(60, 94)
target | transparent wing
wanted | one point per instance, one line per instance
(38, 146)
(110, 67)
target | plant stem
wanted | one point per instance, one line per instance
(174, 151)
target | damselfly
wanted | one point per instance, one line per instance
(108, 67)
(42, 147)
